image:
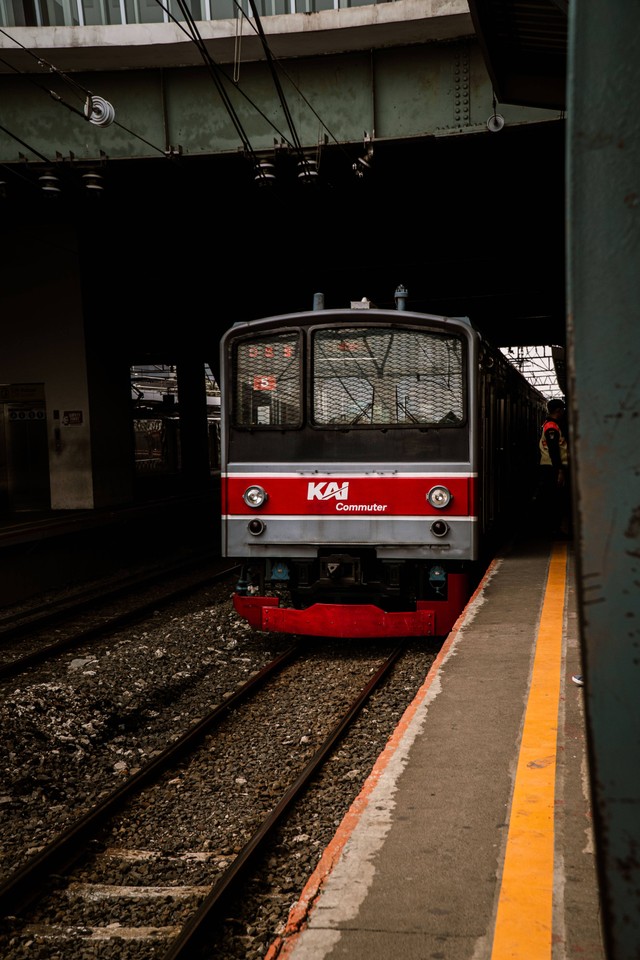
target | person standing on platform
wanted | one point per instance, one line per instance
(555, 487)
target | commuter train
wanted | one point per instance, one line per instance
(370, 460)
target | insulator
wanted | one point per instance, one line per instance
(265, 173)
(99, 112)
(49, 184)
(93, 183)
(308, 171)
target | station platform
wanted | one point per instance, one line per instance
(472, 837)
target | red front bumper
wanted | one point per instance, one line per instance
(431, 618)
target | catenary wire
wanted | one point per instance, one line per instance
(276, 79)
(220, 70)
(24, 144)
(197, 39)
(275, 60)
(58, 99)
(213, 72)
(87, 93)
(44, 63)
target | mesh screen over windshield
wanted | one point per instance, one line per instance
(268, 381)
(360, 376)
(385, 377)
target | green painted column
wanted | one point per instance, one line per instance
(603, 189)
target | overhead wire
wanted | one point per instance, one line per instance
(52, 94)
(87, 94)
(24, 144)
(310, 105)
(44, 63)
(276, 79)
(214, 71)
(272, 61)
(275, 60)
(219, 70)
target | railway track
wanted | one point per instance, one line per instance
(187, 880)
(31, 635)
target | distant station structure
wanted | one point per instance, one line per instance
(542, 365)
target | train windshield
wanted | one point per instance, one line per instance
(268, 381)
(376, 376)
(364, 376)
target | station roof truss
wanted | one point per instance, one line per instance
(543, 366)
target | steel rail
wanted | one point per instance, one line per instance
(13, 625)
(28, 883)
(207, 913)
(108, 625)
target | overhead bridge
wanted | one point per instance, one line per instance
(354, 76)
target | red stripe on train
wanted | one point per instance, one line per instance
(352, 497)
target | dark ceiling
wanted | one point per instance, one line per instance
(472, 226)
(175, 250)
(525, 48)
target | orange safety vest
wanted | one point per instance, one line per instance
(545, 458)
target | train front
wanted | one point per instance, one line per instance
(348, 471)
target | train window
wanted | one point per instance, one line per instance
(268, 381)
(377, 376)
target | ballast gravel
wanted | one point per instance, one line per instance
(75, 729)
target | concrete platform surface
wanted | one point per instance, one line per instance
(472, 839)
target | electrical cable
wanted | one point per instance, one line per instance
(87, 93)
(24, 144)
(205, 53)
(16, 173)
(197, 39)
(58, 99)
(52, 94)
(310, 105)
(213, 72)
(275, 60)
(262, 172)
(44, 63)
(308, 168)
(276, 79)
(214, 69)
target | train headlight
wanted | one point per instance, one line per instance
(255, 496)
(439, 497)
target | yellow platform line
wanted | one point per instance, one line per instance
(523, 929)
